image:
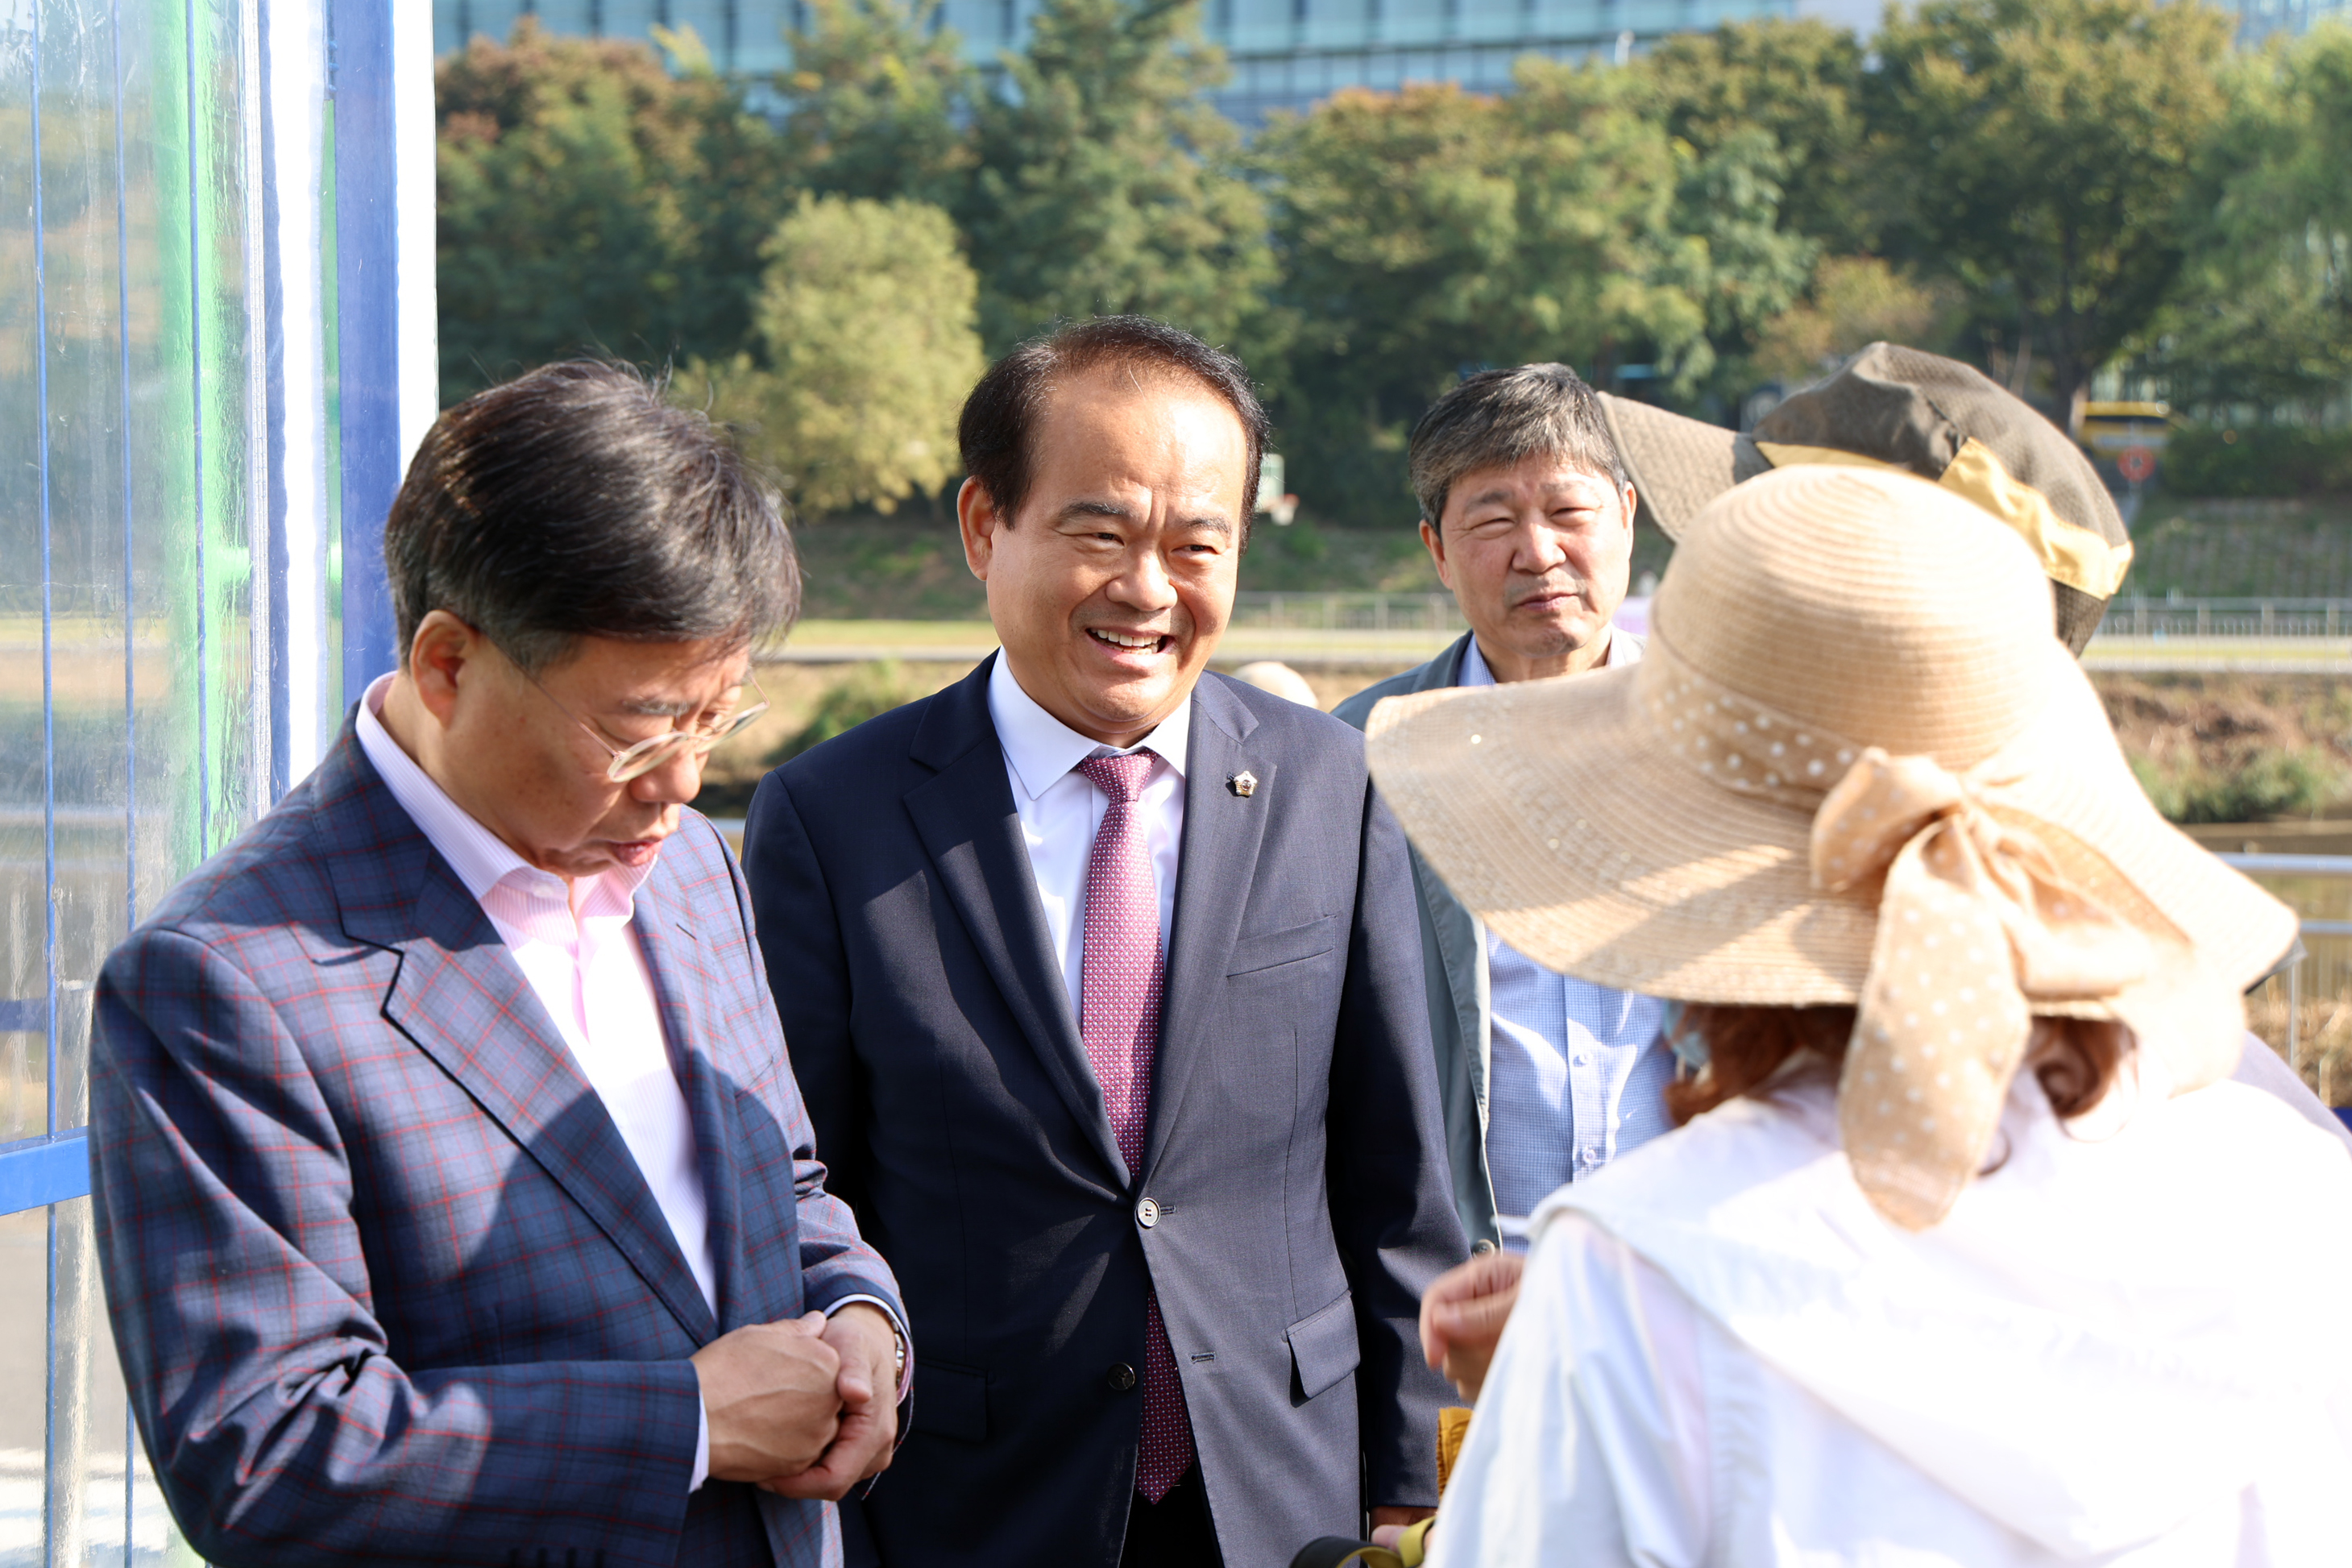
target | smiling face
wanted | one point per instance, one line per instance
(1111, 587)
(1537, 554)
(524, 758)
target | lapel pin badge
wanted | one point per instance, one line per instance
(1244, 784)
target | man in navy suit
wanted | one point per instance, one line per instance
(1103, 980)
(454, 1198)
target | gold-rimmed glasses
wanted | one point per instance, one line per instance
(634, 762)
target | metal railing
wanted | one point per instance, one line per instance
(2133, 616)
(2129, 616)
(1435, 613)
(2332, 960)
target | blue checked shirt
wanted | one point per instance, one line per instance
(1577, 1072)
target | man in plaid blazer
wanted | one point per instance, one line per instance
(454, 1198)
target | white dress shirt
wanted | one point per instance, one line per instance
(1060, 809)
(1722, 1356)
(575, 944)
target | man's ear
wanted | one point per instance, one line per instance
(438, 658)
(1631, 502)
(1435, 544)
(978, 519)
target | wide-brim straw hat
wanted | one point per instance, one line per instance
(1652, 827)
(1896, 407)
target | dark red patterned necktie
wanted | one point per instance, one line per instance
(1118, 1018)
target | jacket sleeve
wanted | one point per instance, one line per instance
(279, 1426)
(1391, 1198)
(807, 969)
(836, 1262)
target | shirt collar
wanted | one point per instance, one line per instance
(1474, 671)
(479, 857)
(1041, 748)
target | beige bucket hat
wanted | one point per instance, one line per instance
(1895, 408)
(1854, 767)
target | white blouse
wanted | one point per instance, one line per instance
(2127, 1346)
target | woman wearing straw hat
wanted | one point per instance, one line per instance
(1967, 1254)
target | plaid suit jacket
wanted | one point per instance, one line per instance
(386, 1282)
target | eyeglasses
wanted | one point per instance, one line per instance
(660, 751)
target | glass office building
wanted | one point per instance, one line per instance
(2260, 19)
(207, 298)
(1284, 53)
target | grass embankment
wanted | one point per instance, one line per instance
(907, 568)
(2243, 548)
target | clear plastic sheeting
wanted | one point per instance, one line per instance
(171, 608)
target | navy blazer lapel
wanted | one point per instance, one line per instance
(675, 956)
(965, 817)
(460, 996)
(1213, 874)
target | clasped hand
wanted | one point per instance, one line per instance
(1462, 1317)
(807, 1407)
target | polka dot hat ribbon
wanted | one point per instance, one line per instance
(1976, 927)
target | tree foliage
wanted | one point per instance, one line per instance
(591, 199)
(2264, 317)
(1852, 301)
(2043, 185)
(1105, 182)
(1427, 233)
(2044, 148)
(865, 318)
(1798, 83)
(1739, 263)
(877, 100)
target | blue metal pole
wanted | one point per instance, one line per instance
(367, 326)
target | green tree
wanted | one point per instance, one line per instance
(1428, 232)
(877, 101)
(2263, 315)
(1734, 258)
(1851, 302)
(1106, 182)
(865, 316)
(2043, 148)
(1798, 82)
(591, 199)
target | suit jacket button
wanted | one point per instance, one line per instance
(1122, 1377)
(1147, 1214)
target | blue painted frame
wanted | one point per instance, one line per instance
(38, 1171)
(367, 324)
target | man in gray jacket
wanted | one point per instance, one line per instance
(1528, 510)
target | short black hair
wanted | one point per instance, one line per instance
(998, 425)
(1502, 417)
(576, 501)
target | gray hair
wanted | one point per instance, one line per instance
(1498, 417)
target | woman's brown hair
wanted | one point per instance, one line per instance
(2075, 1059)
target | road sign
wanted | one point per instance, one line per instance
(2136, 463)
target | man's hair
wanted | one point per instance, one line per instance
(1498, 417)
(576, 501)
(997, 431)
